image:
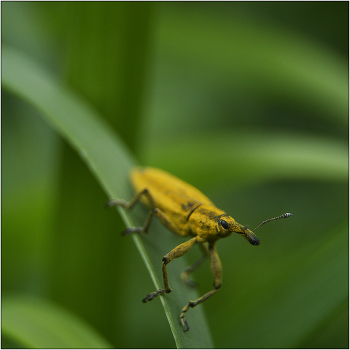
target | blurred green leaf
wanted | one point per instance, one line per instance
(35, 323)
(247, 156)
(27, 80)
(124, 27)
(258, 56)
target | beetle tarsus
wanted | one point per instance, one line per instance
(185, 323)
(151, 296)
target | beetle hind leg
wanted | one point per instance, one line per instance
(193, 304)
(217, 273)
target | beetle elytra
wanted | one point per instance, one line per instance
(185, 211)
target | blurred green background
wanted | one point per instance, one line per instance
(247, 101)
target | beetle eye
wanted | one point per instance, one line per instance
(224, 224)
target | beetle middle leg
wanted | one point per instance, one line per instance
(178, 251)
(185, 274)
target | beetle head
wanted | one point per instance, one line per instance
(227, 225)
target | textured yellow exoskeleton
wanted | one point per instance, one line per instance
(185, 211)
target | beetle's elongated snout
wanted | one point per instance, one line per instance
(250, 237)
(253, 239)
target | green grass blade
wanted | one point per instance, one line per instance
(34, 323)
(110, 162)
(243, 154)
(280, 59)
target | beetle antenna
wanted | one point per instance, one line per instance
(286, 215)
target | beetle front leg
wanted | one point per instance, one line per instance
(216, 269)
(166, 289)
(180, 250)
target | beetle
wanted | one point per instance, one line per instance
(185, 211)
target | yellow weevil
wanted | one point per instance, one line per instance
(184, 210)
